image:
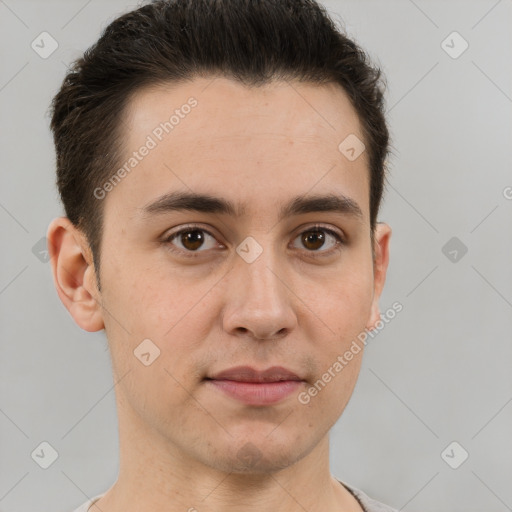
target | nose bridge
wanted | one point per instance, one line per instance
(259, 300)
(260, 276)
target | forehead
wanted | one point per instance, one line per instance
(293, 110)
(253, 144)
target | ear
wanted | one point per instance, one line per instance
(382, 236)
(74, 274)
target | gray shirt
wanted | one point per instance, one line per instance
(367, 504)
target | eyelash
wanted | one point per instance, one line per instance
(194, 254)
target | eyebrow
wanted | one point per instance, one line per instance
(205, 203)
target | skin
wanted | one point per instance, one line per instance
(261, 147)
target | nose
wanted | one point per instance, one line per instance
(259, 300)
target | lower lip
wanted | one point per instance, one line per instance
(257, 393)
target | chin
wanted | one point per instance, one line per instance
(258, 458)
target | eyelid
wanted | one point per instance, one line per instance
(318, 225)
(186, 227)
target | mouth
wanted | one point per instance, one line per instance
(254, 387)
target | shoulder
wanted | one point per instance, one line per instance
(85, 507)
(368, 504)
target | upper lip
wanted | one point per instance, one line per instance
(248, 374)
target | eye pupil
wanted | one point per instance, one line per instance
(313, 237)
(192, 239)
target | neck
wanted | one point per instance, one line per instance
(155, 475)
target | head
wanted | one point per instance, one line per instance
(205, 160)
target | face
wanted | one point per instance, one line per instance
(257, 274)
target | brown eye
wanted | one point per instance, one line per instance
(317, 238)
(313, 240)
(191, 240)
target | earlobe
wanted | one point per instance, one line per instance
(382, 237)
(73, 274)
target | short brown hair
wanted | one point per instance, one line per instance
(250, 41)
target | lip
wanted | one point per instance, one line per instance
(249, 374)
(255, 387)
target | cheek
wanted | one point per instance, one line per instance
(344, 307)
(153, 340)
(175, 314)
(151, 301)
(344, 304)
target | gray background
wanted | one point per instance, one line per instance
(439, 372)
